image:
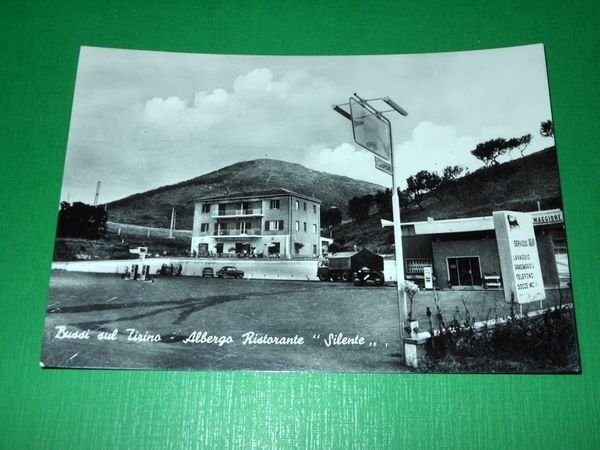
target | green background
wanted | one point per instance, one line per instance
(121, 409)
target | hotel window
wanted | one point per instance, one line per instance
(305, 227)
(304, 206)
(203, 227)
(297, 225)
(315, 209)
(297, 204)
(206, 208)
(314, 249)
(274, 225)
(314, 228)
(274, 204)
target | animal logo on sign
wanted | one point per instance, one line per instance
(512, 221)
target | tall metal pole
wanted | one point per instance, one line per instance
(399, 256)
(399, 253)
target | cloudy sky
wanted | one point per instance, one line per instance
(142, 119)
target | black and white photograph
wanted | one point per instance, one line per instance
(389, 213)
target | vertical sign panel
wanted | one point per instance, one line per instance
(519, 258)
(371, 131)
(383, 165)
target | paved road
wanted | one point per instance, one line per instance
(195, 323)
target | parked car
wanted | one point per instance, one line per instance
(366, 275)
(229, 272)
(208, 272)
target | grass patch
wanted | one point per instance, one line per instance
(543, 343)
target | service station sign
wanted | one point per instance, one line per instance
(519, 258)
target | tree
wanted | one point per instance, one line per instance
(335, 247)
(81, 220)
(420, 184)
(330, 218)
(491, 150)
(358, 207)
(519, 143)
(383, 201)
(403, 199)
(411, 289)
(452, 173)
(547, 128)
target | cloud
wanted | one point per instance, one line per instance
(163, 112)
(217, 99)
(257, 113)
(346, 159)
(430, 147)
(206, 110)
(171, 117)
(258, 83)
(433, 147)
(253, 100)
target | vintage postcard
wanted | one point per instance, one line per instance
(395, 213)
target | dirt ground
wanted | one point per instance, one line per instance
(197, 323)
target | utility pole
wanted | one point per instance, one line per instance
(97, 193)
(172, 226)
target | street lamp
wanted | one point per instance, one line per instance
(372, 131)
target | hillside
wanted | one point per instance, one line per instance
(515, 185)
(153, 208)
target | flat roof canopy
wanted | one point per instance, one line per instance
(485, 223)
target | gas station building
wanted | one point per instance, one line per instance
(463, 252)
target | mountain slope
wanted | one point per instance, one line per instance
(516, 185)
(153, 208)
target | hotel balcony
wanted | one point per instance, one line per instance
(250, 233)
(229, 213)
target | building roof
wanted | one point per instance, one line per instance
(485, 223)
(278, 192)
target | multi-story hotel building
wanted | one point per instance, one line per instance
(270, 223)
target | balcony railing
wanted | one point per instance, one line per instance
(247, 232)
(238, 212)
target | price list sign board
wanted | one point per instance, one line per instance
(519, 257)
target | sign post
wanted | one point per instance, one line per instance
(373, 132)
(519, 258)
(383, 165)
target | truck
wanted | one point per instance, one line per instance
(359, 266)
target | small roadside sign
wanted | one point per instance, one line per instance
(383, 165)
(428, 277)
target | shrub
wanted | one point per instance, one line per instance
(546, 342)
